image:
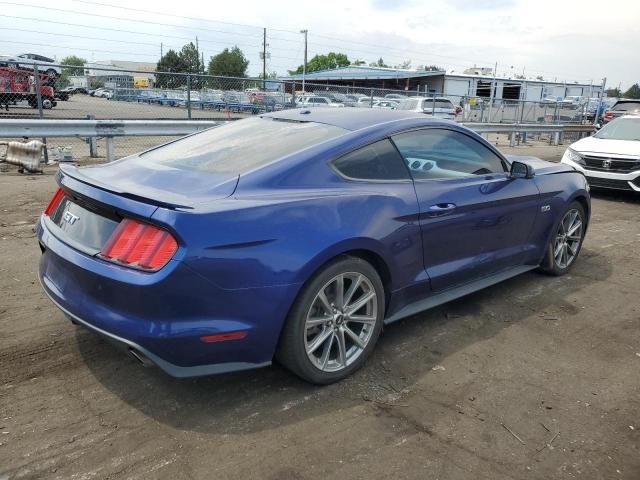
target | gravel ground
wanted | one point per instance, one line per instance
(535, 378)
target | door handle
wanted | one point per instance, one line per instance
(440, 209)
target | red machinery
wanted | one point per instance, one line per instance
(19, 84)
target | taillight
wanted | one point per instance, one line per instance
(54, 202)
(141, 245)
(608, 115)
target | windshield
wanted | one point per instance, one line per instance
(621, 129)
(241, 145)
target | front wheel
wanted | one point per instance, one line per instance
(334, 323)
(564, 246)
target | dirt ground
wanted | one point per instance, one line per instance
(535, 378)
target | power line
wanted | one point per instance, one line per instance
(199, 19)
(405, 52)
(338, 39)
(81, 37)
(148, 22)
(82, 49)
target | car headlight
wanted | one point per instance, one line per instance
(574, 156)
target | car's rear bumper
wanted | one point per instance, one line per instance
(148, 358)
(161, 317)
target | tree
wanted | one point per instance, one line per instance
(229, 63)
(379, 63)
(170, 62)
(404, 65)
(358, 62)
(540, 77)
(75, 62)
(191, 59)
(329, 61)
(433, 68)
(614, 93)
(633, 92)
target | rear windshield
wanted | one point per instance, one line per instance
(439, 104)
(621, 129)
(408, 104)
(627, 106)
(242, 145)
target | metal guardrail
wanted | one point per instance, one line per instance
(100, 128)
(514, 129)
(109, 129)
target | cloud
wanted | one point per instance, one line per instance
(391, 4)
(481, 4)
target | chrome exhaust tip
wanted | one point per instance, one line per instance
(140, 357)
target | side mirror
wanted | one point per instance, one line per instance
(521, 170)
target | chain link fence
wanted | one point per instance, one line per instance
(62, 92)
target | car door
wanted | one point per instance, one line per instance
(475, 219)
(391, 213)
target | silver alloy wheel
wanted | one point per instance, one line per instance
(47, 104)
(340, 321)
(567, 242)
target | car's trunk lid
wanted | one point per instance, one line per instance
(155, 183)
(97, 199)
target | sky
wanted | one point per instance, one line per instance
(571, 40)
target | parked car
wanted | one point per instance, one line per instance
(296, 235)
(395, 96)
(437, 107)
(63, 95)
(611, 157)
(386, 104)
(102, 93)
(367, 102)
(27, 60)
(316, 101)
(550, 101)
(620, 108)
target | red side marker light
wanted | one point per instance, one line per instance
(223, 337)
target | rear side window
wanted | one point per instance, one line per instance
(241, 145)
(378, 161)
(439, 153)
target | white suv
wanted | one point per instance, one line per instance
(437, 107)
(611, 157)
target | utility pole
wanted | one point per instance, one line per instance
(598, 108)
(264, 58)
(197, 55)
(493, 90)
(304, 65)
(161, 53)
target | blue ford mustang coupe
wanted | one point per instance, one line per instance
(296, 235)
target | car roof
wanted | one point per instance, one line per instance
(349, 118)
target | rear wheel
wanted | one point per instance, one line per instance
(564, 246)
(335, 322)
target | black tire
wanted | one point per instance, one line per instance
(291, 351)
(52, 73)
(550, 264)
